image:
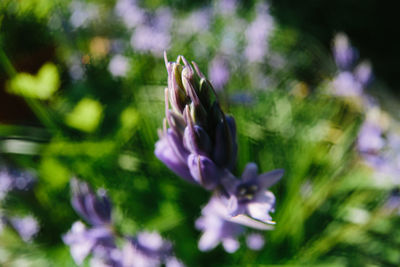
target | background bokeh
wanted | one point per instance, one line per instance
(82, 95)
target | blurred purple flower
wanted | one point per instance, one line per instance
(118, 66)
(393, 202)
(148, 39)
(226, 7)
(27, 227)
(345, 55)
(152, 245)
(143, 250)
(250, 195)
(82, 241)
(345, 84)
(148, 249)
(218, 226)
(216, 229)
(173, 262)
(370, 138)
(363, 73)
(95, 209)
(257, 34)
(218, 72)
(14, 180)
(153, 35)
(255, 241)
(83, 13)
(162, 19)
(196, 22)
(5, 182)
(131, 14)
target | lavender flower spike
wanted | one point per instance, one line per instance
(198, 141)
(250, 195)
(95, 209)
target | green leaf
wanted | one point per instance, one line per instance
(86, 115)
(42, 86)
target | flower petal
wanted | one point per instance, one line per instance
(230, 245)
(268, 179)
(250, 172)
(260, 210)
(204, 171)
(208, 241)
(165, 153)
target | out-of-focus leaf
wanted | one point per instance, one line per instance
(86, 115)
(54, 173)
(42, 86)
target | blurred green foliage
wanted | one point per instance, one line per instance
(102, 128)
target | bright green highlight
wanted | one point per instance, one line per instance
(86, 115)
(42, 86)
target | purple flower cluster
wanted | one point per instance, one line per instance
(219, 226)
(258, 33)
(151, 30)
(379, 146)
(100, 240)
(378, 141)
(198, 143)
(350, 80)
(26, 227)
(13, 180)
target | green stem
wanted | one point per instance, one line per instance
(8, 67)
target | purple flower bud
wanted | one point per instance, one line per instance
(196, 140)
(168, 157)
(27, 227)
(200, 136)
(177, 95)
(204, 171)
(95, 209)
(225, 147)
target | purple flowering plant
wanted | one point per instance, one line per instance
(198, 143)
(101, 238)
